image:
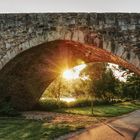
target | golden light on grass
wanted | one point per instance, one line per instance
(73, 73)
(68, 99)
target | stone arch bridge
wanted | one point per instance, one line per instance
(34, 48)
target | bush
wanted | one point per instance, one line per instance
(52, 104)
(7, 110)
(79, 103)
(49, 104)
(87, 102)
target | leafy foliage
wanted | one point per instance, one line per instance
(131, 89)
(78, 88)
(52, 104)
(102, 87)
(49, 105)
(105, 87)
(6, 109)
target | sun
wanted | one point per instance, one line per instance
(68, 74)
(73, 73)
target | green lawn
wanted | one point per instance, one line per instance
(104, 110)
(21, 129)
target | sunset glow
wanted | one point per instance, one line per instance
(68, 99)
(73, 73)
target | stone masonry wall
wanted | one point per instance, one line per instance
(117, 33)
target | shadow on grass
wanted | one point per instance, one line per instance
(103, 110)
(15, 129)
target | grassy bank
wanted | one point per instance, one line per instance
(103, 110)
(15, 129)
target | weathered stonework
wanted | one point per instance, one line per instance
(117, 33)
(52, 40)
(25, 77)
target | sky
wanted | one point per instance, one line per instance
(118, 73)
(34, 6)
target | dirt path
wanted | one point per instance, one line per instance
(53, 117)
(126, 127)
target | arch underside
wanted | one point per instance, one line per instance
(25, 77)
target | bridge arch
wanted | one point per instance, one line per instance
(116, 33)
(27, 75)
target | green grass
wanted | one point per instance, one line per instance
(21, 129)
(103, 110)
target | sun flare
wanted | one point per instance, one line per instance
(68, 99)
(73, 73)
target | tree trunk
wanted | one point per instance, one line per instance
(92, 106)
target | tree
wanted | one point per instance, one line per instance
(79, 87)
(105, 87)
(131, 89)
(54, 89)
(95, 72)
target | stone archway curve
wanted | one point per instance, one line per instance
(26, 76)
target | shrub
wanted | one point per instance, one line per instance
(7, 110)
(79, 103)
(49, 104)
(52, 104)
